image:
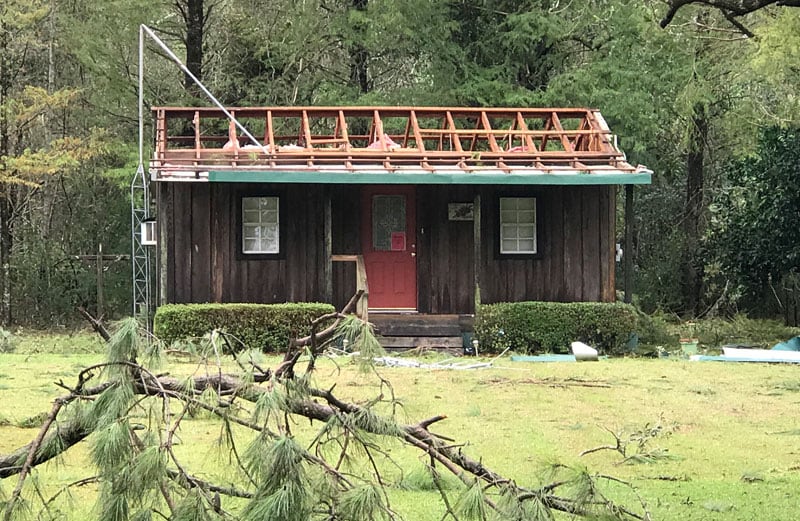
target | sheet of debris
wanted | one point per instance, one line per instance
(782, 353)
(450, 363)
(580, 353)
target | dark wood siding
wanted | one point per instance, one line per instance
(205, 264)
(576, 247)
(444, 251)
(576, 234)
(345, 240)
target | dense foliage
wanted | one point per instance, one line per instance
(267, 327)
(756, 233)
(685, 100)
(535, 327)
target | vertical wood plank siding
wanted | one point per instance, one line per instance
(576, 236)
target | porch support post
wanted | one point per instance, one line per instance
(327, 268)
(164, 223)
(627, 254)
(476, 254)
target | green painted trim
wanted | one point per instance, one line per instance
(430, 178)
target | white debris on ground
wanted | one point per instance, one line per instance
(391, 361)
(583, 352)
(448, 364)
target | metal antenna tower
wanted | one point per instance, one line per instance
(141, 257)
(142, 281)
(140, 211)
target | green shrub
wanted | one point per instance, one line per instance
(739, 329)
(653, 330)
(534, 327)
(268, 327)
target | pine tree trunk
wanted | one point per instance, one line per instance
(5, 188)
(693, 272)
(359, 56)
(194, 19)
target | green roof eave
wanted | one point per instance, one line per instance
(422, 177)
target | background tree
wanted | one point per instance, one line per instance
(730, 9)
(755, 233)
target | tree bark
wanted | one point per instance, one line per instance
(6, 208)
(359, 55)
(730, 8)
(194, 18)
(693, 272)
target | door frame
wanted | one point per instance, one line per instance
(367, 192)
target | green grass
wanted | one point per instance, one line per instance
(67, 342)
(731, 440)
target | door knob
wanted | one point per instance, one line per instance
(413, 254)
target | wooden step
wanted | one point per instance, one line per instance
(411, 342)
(419, 325)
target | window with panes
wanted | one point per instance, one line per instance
(260, 225)
(518, 225)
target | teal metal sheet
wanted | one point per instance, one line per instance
(418, 177)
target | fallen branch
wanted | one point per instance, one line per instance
(282, 398)
(96, 324)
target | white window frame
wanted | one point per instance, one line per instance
(265, 215)
(518, 214)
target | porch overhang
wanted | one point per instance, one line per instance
(440, 176)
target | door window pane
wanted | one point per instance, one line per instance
(388, 216)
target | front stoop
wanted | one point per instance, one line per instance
(415, 330)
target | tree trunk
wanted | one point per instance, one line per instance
(359, 55)
(194, 19)
(5, 188)
(692, 268)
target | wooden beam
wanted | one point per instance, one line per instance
(627, 253)
(306, 130)
(454, 136)
(476, 249)
(164, 220)
(342, 122)
(362, 285)
(327, 268)
(565, 142)
(270, 136)
(197, 143)
(488, 127)
(417, 134)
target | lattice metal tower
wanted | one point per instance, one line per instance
(140, 254)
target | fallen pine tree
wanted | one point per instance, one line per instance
(278, 477)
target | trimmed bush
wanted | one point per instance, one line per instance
(653, 331)
(536, 327)
(268, 327)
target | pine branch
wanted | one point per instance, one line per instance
(30, 459)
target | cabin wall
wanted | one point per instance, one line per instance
(345, 240)
(203, 264)
(576, 236)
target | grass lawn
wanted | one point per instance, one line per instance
(731, 431)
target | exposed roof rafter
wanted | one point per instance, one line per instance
(192, 141)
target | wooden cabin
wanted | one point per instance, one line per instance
(439, 208)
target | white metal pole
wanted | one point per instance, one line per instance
(186, 71)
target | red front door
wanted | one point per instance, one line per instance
(388, 242)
